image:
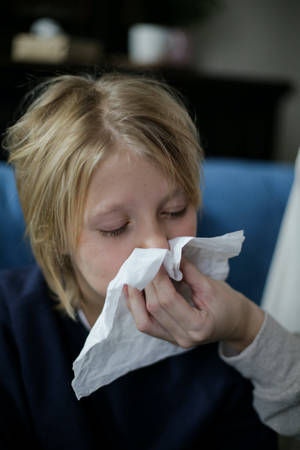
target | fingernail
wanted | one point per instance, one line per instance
(125, 291)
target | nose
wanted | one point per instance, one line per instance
(154, 236)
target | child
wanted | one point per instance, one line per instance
(104, 166)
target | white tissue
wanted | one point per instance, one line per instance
(114, 346)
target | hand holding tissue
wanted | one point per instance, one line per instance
(114, 346)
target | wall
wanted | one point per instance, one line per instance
(259, 38)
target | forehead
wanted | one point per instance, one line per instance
(124, 163)
(124, 175)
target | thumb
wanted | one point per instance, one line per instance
(199, 284)
(191, 275)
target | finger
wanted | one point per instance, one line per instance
(190, 272)
(186, 331)
(143, 320)
(199, 283)
(157, 310)
(165, 303)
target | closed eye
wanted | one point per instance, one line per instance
(116, 232)
(169, 214)
(175, 214)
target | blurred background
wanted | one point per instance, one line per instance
(236, 62)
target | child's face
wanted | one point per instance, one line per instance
(129, 204)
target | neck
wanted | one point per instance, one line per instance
(92, 310)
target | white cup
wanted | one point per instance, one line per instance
(148, 44)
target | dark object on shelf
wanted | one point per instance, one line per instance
(235, 117)
(174, 13)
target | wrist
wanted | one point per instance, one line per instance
(250, 320)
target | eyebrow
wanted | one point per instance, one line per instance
(119, 207)
(93, 217)
(173, 194)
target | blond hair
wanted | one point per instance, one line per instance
(73, 122)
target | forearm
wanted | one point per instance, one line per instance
(272, 363)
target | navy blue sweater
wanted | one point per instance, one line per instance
(191, 401)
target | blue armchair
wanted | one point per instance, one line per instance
(237, 194)
(14, 249)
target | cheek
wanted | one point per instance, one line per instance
(98, 260)
(192, 223)
(187, 226)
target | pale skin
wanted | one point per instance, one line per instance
(130, 204)
(219, 313)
